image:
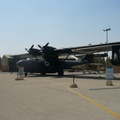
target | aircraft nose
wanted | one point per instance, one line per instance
(20, 63)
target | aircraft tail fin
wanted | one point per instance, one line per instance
(116, 55)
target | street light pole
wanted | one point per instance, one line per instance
(109, 71)
(106, 30)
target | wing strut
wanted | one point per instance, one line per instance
(66, 57)
(60, 70)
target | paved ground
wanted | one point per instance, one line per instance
(51, 98)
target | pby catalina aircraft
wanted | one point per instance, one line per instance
(52, 63)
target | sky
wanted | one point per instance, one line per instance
(62, 23)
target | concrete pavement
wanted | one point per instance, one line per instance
(51, 98)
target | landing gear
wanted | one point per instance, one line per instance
(26, 74)
(60, 72)
(43, 73)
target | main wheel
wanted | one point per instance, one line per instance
(26, 74)
(60, 72)
(43, 73)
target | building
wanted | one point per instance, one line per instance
(5, 63)
(8, 62)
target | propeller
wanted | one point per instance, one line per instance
(32, 51)
(29, 49)
(44, 47)
(44, 50)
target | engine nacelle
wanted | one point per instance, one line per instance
(100, 55)
(116, 55)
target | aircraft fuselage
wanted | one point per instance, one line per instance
(42, 66)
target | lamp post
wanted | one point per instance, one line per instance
(109, 71)
(106, 30)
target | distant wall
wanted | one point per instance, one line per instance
(8, 62)
(5, 69)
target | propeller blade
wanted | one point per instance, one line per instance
(39, 46)
(32, 47)
(26, 49)
(47, 44)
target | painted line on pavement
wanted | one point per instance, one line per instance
(95, 103)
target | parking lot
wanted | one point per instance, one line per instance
(51, 98)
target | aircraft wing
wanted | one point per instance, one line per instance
(90, 49)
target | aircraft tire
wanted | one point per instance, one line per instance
(60, 72)
(43, 73)
(26, 74)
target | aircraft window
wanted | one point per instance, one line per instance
(46, 63)
(28, 59)
(31, 59)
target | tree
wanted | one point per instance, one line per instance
(108, 61)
